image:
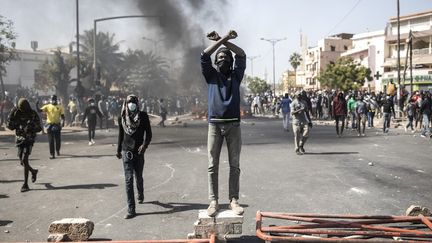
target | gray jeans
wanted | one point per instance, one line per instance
(301, 134)
(216, 134)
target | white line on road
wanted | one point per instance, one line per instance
(166, 181)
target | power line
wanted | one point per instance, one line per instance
(346, 15)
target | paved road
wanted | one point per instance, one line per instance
(333, 177)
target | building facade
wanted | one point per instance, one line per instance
(420, 24)
(317, 58)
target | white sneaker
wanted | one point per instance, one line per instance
(406, 129)
(90, 143)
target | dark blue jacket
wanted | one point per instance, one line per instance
(223, 93)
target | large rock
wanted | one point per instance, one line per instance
(223, 224)
(75, 229)
(415, 210)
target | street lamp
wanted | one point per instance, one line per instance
(273, 42)
(252, 59)
(155, 42)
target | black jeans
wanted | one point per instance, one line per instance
(133, 164)
(54, 139)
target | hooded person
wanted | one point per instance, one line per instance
(134, 137)
(26, 123)
(223, 115)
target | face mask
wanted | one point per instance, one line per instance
(92, 104)
(224, 66)
(132, 106)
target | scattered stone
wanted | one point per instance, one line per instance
(76, 229)
(371, 164)
(176, 119)
(6, 231)
(58, 238)
(415, 210)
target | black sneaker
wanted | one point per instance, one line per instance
(58, 153)
(302, 150)
(34, 175)
(25, 188)
(130, 215)
(140, 200)
(298, 152)
(52, 156)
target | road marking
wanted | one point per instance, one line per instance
(112, 216)
(166, 181)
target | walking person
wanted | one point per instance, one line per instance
(26, 123)
(223, 114)
(91, 112)
(410, 110)
(361, 114)
(163, 113)
(351, 109)
(339, 110)
(72, 106)
(103, 108)
(134, 125)
(285, 107)
(301, 122)
(388, 110)
(54, 122)
(425, 110)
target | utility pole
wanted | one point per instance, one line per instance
(398, 57)
(252, 59)
(273, 42)
(78, 43)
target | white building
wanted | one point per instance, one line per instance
(421, 26)
(368, 50)
(317, 58)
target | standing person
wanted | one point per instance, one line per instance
(301, 122)
(26, 124)
(54, 122)
(5, 108)
(72, 106)
(351, 109)
(361, 114)
(163, 112)
(410, 110)
(133, 126)
(285, 106)
(103, 108)
(388, 110)
(339, 112)
(223, 114)
(425, 110)
(90, 113)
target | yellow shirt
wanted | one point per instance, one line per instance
(72, 106)
(53, 112)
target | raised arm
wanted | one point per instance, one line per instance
(221, 41)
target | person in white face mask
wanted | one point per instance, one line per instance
(134, 125)
(90, 113)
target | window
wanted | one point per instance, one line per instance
(332, 48)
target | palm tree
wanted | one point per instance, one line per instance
(108, 58)
(295, 59)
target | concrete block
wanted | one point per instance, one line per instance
(58, 238)
(223, 216)
(223, 224)
(76, 229)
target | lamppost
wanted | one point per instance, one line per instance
(273, 42)
(155, 42)
(95, 32)
(252, 59)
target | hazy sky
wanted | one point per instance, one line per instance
(52, 23)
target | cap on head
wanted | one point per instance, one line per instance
(132, 98)
(226, 51)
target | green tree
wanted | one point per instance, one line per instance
(345, 75)
(109, 59)
(257, 85)
(145, 73)
(295, 59)
(55, 74)
(7, 47)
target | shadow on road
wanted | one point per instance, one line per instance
(180, 207)
(329, 153)
(5, 222)
(3, 196)
(62, 156)
(82, 186)
(10, 181)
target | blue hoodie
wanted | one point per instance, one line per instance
(223, 93)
